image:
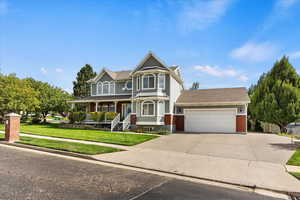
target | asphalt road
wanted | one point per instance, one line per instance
(29, 175)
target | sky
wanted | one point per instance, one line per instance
(219, 43)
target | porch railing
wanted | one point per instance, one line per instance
(126, 122)
(115, 122)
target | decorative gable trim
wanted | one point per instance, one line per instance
(100, 75)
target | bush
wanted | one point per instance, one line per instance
(97, 116)
(77, 117)
(110, 115)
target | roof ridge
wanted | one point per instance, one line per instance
(217, 88)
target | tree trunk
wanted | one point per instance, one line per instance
(282, 128)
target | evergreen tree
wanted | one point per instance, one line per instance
(80, 87)
(276, 97)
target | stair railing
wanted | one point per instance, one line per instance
(114, 122)
(126, 122)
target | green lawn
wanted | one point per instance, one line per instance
(296, 174)
(89, 135)
(295, 159)
(88, 149)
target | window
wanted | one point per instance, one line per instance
(148, 81)
(148, 108)
(99, 91)
(161, 108)
(128, 85)
(105, 88)
(179, 110)
(161, 81)
(138, 83)
(111, 88)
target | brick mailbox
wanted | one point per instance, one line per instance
(12, 127)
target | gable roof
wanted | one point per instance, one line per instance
(213, 96)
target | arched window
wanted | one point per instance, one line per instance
(105, 89)
(161, 108)
(112, 88)
(148, 81)
(99, 88)
(148, 108)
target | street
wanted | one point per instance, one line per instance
(30, 175)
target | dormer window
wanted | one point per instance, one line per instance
(149, 81)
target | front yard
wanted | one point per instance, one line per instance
(295, 159)
(65, 146)
(89, 135)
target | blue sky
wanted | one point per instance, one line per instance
(219, 43)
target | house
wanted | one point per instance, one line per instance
(152, 96)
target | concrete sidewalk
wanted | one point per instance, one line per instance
(259, 174)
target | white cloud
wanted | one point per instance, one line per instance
(59, 70)
(217, 72)
(68, 90)
(243, 78)
(3, 7)
(285, 4)
(294, 55)
(254, 52)
(44, 70)
(198, 15)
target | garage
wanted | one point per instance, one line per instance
(210, 120)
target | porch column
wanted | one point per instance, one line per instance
(156, 110)
(87, 107)
(96, 107)
(72, 106)
(116, 103)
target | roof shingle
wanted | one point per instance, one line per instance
(218, 95)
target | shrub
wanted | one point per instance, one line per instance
(77, 117)
(110, 115)
(97, 116)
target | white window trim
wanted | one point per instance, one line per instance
(142, 105)
(126, 85)
(148, 80)
(158, 102)
(99, 84)
(138, 83)
(164, 76)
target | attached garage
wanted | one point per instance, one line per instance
(210, 120)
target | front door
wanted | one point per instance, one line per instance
(126, 109)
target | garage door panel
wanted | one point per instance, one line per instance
(210, 120)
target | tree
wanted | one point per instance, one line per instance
(80, 87)
(52, 99)
(276, 97)
(16, 95)
(195, 86)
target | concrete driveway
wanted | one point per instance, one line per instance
(252, 146)
(254, 160)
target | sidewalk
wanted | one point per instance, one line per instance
(78, 141)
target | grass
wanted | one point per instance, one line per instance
(88, 149)
(288, 135)
(295, 174)
(89, 135)
(295, 159)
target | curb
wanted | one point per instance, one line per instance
(88, 157)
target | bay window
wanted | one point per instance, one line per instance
(148, 108)
(148, 81)
(105, 88)
(161, 81)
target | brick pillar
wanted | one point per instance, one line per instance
(133, 119)
(12, 127)
(241, 123)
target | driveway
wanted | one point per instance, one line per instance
(254, 160)
(252, 147)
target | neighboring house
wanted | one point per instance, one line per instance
(152, 96)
